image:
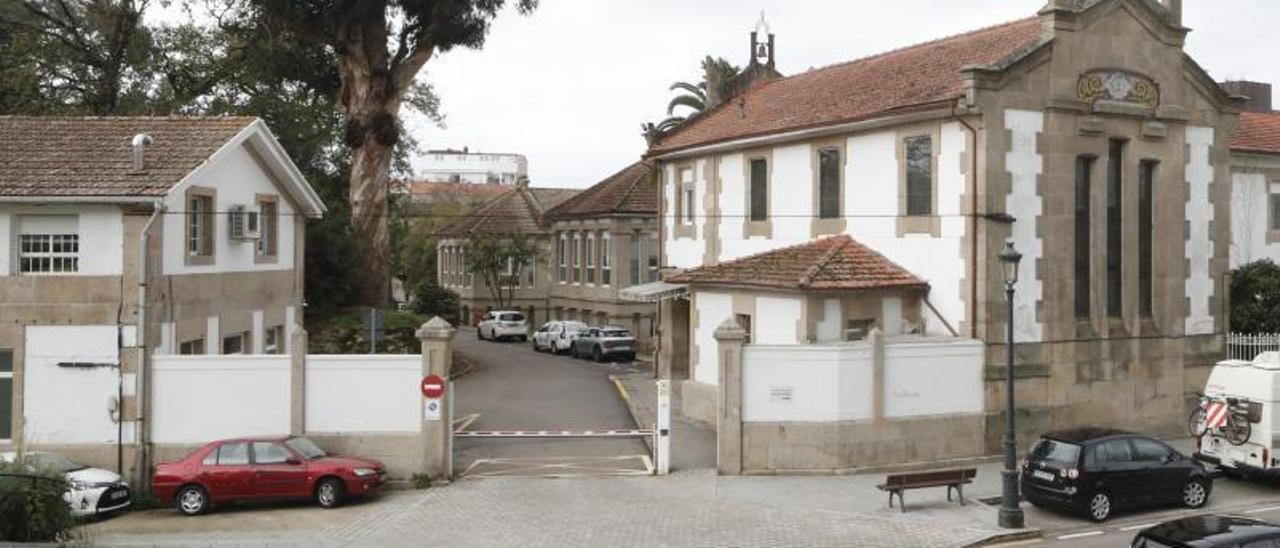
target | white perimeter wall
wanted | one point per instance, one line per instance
(1199, 246)
(809, 383)
(100, 227)
(357, 393)
(712, 309)
(72, 404)
(238, 178)
(197, 399)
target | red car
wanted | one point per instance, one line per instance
(264, 469)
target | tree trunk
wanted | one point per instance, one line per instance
(370, 167)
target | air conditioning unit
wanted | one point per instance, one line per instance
(245, 224)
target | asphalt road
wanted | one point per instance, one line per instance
(514, 388)
(1255, 498)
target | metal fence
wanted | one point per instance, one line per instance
(1242, 346)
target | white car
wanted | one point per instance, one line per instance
(503, 324)
(92, 491)
(557, 336)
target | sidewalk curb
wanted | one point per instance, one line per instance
(1004, 538)
(631, 408)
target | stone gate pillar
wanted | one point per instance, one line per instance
(729, 340)
(437, 428)
(298, 381)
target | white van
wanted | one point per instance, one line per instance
(1255, 388)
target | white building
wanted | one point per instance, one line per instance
(464, 166)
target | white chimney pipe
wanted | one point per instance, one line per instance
(140, 142)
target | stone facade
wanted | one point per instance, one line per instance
(591, 299)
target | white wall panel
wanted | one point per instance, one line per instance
(806, 383)
(1023, 202)
(713, 308)
(776, 320)
(931, 378)
(202, 398)
(358, 393)
(681, 252)
(830, 329)
(100, 228)
(70, 404)
(1249, 219)
(1199, 246)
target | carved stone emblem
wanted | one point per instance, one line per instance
(1118, 85)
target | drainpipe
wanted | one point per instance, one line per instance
(144, 428)
(973, 224)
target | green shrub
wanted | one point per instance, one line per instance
(31, 505)
(1255, 298)
(420, 481)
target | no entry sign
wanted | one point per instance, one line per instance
(432, 386)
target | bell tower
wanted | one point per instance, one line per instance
(762, 50)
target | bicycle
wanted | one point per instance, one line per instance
(1236, 428)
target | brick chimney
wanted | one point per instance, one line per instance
(1259, 94)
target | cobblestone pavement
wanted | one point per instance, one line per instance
(684, 509)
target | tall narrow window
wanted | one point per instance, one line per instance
(829, 183)
(268, 241)
(200, 223)
(606, 263)
(1146, 225)
(6, 393)
(919, 175)
(651, 254)
(1115, 184)
(637, 254)
(577, 260)
(591, 257)
(562, 254)
(1084, 186)
(1274, 223)
(687, 204)
(759, 189)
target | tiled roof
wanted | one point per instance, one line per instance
(449, 192)
(58, 156)
(835, 262)
(1257, 132)
(519, 209)
(898, 81)
(634, 190)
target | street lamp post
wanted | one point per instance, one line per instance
(1010, 516)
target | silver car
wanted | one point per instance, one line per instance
(557, 336)
(601, 343)
(91, 491)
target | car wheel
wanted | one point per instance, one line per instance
(330, 493)
(1195, 494)
(597, 354)
(192, 500)
(1098, 507)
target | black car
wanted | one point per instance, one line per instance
(1096, 470)
(1209, 531)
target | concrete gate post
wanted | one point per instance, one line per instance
(298, 381)
(729, 340)
(437, 428)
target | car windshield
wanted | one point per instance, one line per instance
(305, 447)
(51, 461)
(1056, 452)
(615, 333)
(511, 317)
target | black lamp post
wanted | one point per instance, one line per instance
(1010, 514)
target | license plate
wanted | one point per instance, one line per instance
(119, 495)
(1041, 474)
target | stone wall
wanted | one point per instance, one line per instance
(777, 447)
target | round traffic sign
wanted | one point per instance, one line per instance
(432, 386)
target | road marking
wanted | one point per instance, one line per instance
(462, 423)
(1261, 510)
(1143, 526)
(1082, 535)
(622, 390)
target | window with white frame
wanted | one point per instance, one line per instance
(577, 264)
(687, 202)
(606, 276)
(200, 224)
(269, 240)
(563, 257)
(591, 257)
(48, 244)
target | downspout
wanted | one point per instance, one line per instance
(973, 224)
(144, 430)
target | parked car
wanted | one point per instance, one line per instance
(502, 324)
(90, 491)
(1096, 470)
(1209, 531)
(1233, 424)
(557, 336)
(601, 343)
(264, 469)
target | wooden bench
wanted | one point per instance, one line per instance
(896, 484)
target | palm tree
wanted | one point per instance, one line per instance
(694, 97)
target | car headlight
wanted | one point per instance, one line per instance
(363, 472)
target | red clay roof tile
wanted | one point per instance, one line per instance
(634, 190)
(832, 263)
(1257, 132)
